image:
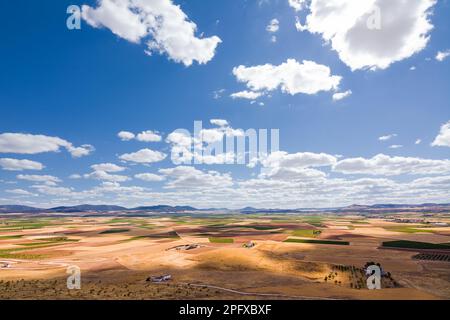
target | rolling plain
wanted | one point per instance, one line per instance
(225, 256)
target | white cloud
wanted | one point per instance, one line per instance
(180, 139)
(443, 138)
(273, 26)
(126, 136)
(298, 160)
(218, 134)
(19, 165)
(107, 167)
(161, 23)
(442, 55)
(392, 166)
(21, 143)
(292, 77)
(51, 190)
(143, 156)
(292, 174)
(250, 95)
(370, 34)
(219, 122)
(48, 180)
(298, 5)
(78, 152)
(117, 16)
(149, 177)
(341, 95)
(418, 141)
(289, 186)
(299, 26)
(106, 176)
(144, 136)
(396, 146)
(148, 136)
(75, 176)
(20, 192)
(387, 137)
(190, 177)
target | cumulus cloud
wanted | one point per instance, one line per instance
(52, 190)
(370, 34)
(20, 165)
(149, 177)
(143, 156)
(207, 147)
(290, 184)
(297, 4)
(273, 26)
(291, 76)
(292, 174)
(396, 146)
(190, 177)
(148, 136)
(342, 95)
(442, 55)
(126, 135)
(48, 180)
(21, 143)
(164, 27)
(107, 167)
(219, 122)
(392, 166)
(282, 159)
(180, 139)
(106, 176)
(144, 136)
(78, 152)
(443, 138)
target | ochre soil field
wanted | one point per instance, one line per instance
(118, 255)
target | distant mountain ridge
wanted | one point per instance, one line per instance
(87, 208)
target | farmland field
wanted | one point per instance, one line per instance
(284, 256)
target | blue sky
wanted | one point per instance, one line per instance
(85, 86)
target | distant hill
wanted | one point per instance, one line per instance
(87, 208)
(166, 209)
(18, 209)
(101, 209)
(387, 208)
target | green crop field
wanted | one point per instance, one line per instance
(221, 240)
(306, 233)
(407, 229)
(11, 237)
(18, 254)
(415, 245)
